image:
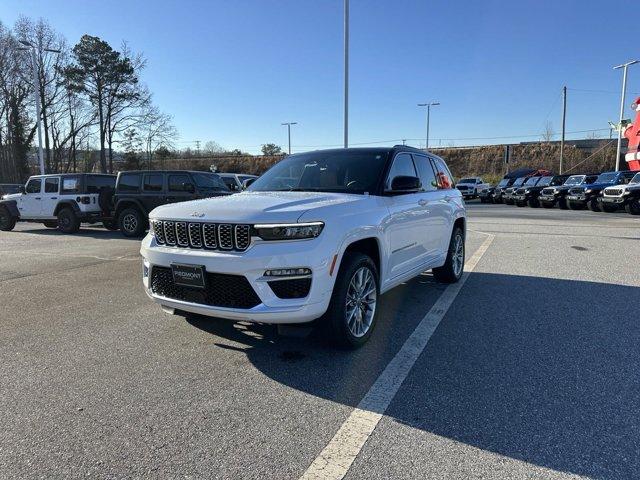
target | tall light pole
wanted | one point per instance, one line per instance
(346, 73)
(564, 124)
(624, 66)
(36, 93)
(288, 124)
(428, 105)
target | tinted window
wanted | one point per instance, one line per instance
(402, 166)
(71, 185)
(503, 182)
(445, 179)
(51, 185)
(34, 185)
(426, 173)
(209, 181)
(129, 182)
(95, 183)
(153, 183)
(179, 183)
(532, 181)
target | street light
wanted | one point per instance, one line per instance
(624, 66)
(36, 93)
(288, 124)
(428, 105)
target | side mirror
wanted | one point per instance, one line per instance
(248, 182)
(405, 184)
(189, 187)
(21, 189)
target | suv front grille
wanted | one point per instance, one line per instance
(213, 236)
(221, 290)
(613, 191)
(576, 191)
(547, 191)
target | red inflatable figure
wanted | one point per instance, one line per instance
(632, 133)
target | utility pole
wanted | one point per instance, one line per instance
(198, 147)
(36, 93)
(624, 66)
(288, 124)
(428, 105)
(564, 119)
(346, 73)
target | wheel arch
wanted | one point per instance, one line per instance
(369, 246)
(11, 206)
(67, 203)
(129, 203)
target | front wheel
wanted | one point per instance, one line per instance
(593, 205)
(453, 267)
(546, 204)
(533, 202)
(131, 222)
(633, 206)
(351, 316)
(7, 221)
(68, 222)
(521, 204)
(609, 208)
(574, 206)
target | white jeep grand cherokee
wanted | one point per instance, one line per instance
(321, 234)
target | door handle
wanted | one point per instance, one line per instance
(54, 198)
(37, 198)
(423, 202)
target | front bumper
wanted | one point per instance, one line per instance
(519, 198)
(251, 264)
(547, 198)
(580, 199)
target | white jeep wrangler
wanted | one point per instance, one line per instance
(61, 201)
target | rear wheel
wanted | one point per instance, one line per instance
(68, 222)
(7, 221)
(351, 316)
(51, 224)
(453, 266)
(633, 206)
(131, 222)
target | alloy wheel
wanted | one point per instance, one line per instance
(458, 255)
(362, 296)
(130, 222)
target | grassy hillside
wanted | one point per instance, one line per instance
(487, 162)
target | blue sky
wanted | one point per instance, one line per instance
(233, 71)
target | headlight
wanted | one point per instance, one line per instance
(526, 190)
(588, 190)
(626, 192)
(292, 231)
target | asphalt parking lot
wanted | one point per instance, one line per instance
(533, 372)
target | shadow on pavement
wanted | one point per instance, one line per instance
(542, 370)
(90, 232)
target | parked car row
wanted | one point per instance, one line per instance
(608, 191)
(122, 202)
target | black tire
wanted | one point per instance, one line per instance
(533, 202)
(546, 204)
(575, 206)
(68, 222)
(609, 208)
(593, 205)
(521, 204)
(483, 200)
(110, 225)
(453, 267)
(335, 317)
(51, 224)
(7, 221)
(633, 206)
(563, 204)
(132, 222)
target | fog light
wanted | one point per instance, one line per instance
(287, 272)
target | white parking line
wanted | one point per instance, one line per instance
(337, 457)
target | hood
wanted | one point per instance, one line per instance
(11, 196)
(254, 207)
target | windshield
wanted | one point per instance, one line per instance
(467, 180)
(209, 181)
(575, 180)
(544, 181)
(635, 179)
(532, 181)
(519, 182)
(503, 182)
(607, 177)
(332, 171)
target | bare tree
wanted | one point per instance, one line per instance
(548, 132)
(157, 130)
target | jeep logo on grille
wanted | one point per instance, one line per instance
(197, 214)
